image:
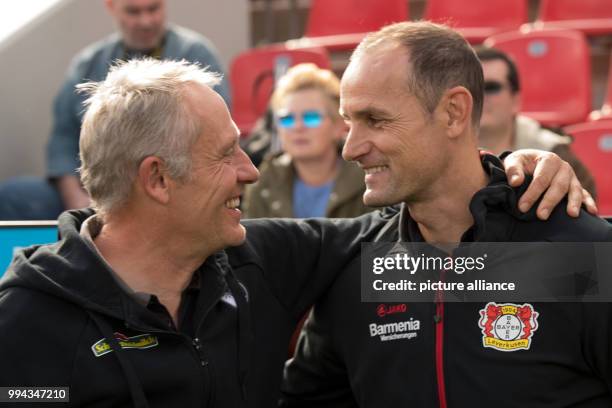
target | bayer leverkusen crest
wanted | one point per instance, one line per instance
(508, 327)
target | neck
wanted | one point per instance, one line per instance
(147, 258)
(444, 215)
(319, 171)
(497, 140)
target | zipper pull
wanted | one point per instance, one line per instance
(196, 343)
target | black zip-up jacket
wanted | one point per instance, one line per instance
(64, 320)
(342, 360)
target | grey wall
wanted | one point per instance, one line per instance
(34, 59)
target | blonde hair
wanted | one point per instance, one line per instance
(139, 110)
(304, 77)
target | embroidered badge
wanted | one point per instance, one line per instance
(508, 327)
(142, 341)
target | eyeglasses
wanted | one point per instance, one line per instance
(493, 87)
(311, 119)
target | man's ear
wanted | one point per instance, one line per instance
(457, 109)
(153, 179)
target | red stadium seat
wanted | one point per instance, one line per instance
(478, 19)
(252, 75)
(555, 73)
(340, 25)
(593, 146)
(593, 17)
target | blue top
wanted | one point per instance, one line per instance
(310, 201)
(92, 64)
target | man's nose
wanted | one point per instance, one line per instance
(355, 145)
(247, 172)
(145, 19)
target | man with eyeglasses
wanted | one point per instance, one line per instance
(308, 178)
(503, 128)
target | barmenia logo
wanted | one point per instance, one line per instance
(395, 331)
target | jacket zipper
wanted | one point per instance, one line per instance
(195, 346)
(204, 367)
(209, 391)
(439, 321)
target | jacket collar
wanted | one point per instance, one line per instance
(494, 209)
(72, 269)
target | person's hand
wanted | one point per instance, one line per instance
(552, 177)
(73, 195)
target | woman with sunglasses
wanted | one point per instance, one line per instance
(308, 178)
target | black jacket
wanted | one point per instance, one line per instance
(341, 361)
(64, 321)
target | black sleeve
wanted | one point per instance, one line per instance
(32, 354)
(301, 258)
(316, 375)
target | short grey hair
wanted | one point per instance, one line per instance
(439, 59)
(139, 110)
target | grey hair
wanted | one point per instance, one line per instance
(139, 110)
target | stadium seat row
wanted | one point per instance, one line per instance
(554, 91)
(340, 24)
(593, 146)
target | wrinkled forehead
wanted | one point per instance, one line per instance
(379, 75)
(209, 109)
(379, 60)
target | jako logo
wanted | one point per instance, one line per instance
(382, 310)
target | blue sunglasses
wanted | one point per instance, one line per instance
(311, 119)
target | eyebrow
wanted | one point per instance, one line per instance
(367, 112)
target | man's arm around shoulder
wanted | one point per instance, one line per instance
(301, 258)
